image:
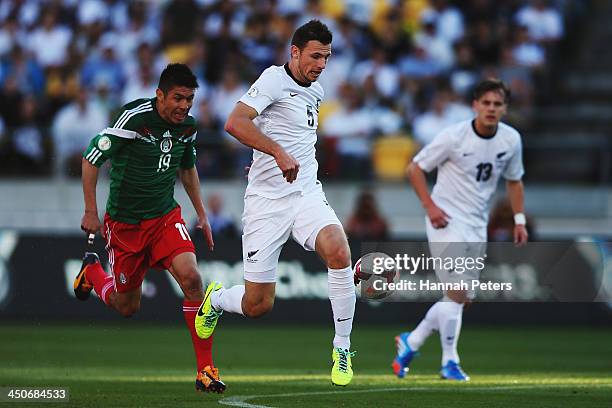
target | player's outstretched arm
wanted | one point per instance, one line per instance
(240, 125)
(90, 221)
(437, 216)
(516, 194)
(191, 183)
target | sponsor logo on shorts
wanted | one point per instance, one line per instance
(250, 256)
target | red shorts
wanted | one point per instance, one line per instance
(134, 248)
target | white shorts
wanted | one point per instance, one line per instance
(457, 240)
(268, 223)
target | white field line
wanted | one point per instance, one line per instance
(240, 400)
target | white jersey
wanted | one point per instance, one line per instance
(288, 114)
(469, 167)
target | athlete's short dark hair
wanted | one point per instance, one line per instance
(175, 75)
(488, 85)
(314, 30)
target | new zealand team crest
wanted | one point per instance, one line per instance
(166, 145)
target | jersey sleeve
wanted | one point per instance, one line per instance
(436, 152)
(263, 92)
(514, 169)
(189, 155)
(121, 131)
(129, 120)
(102, 147)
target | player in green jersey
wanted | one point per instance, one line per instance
(148, 143)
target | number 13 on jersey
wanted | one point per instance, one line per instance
(484, 171)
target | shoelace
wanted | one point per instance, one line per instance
(456, 369)
(343, 363)
(213, 374)
(210, 320)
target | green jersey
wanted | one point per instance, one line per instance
(145, 152)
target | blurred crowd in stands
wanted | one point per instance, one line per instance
(400, 71)
(367, 222)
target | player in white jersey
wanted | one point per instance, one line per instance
(470, 157)
(278, 118)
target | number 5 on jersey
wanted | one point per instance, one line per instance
(310, 115)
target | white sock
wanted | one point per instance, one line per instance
(229, 300)
(449, 320)
(342, 297)
(426, 326)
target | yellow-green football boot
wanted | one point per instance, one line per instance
(207, 317)
(342, 368)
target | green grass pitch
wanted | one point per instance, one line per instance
(132, 364)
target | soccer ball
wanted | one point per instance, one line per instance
(370, 269)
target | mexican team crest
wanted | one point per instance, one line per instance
(166, 145)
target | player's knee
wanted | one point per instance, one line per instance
(257, 308)
(457, 296)
(339, 256)
(191, 283)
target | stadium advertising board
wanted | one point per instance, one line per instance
(36, 274)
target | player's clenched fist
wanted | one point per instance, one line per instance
(520, 235)
(437, 216)
(204, 225)
(91, 223)
(288, 165)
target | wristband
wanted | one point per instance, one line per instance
(519, 219)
